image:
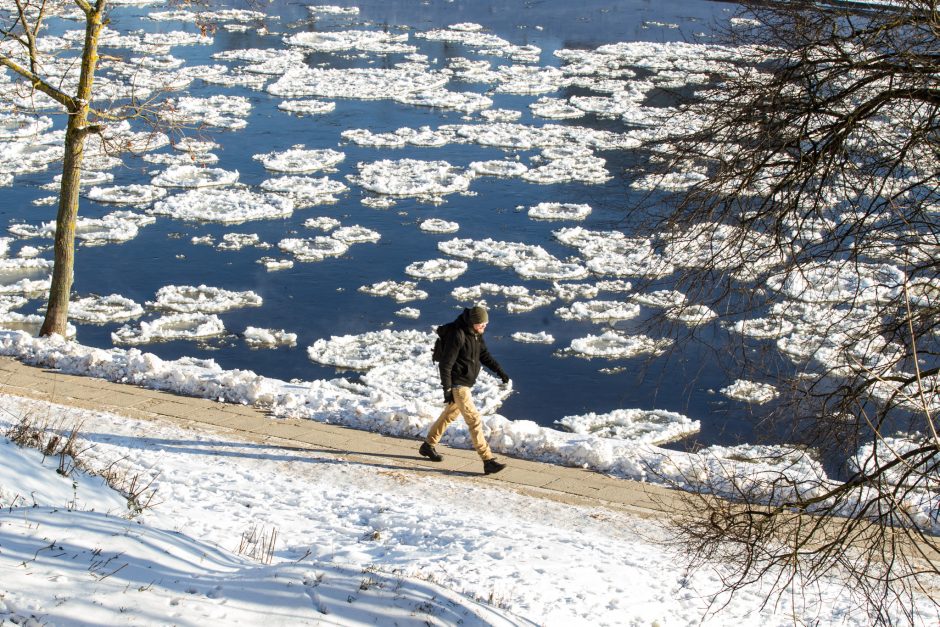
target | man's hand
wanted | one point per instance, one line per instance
(449, 396)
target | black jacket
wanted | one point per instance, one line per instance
(464, 351)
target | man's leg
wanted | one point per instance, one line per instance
(436, 432)
(474, 422)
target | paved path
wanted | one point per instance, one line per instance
(569, 485)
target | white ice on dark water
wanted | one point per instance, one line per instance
(750, 392)
(202, 299)
(223, 205)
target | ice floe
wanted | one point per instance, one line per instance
(634, 425)
(220, 111)
(322, 223)
(194, 176)
(360, 83)
(616, 345)
(313, 249)
(137, 195)
(411, 177)
(269, 338)
(436, 225)
(104, 309)
(118, 226)
(223, 205)
(599, 311)
(400, 291)
(519, 298)
(307, 107)
(436, 269)
(495, 167)
(382, 42)
(298, 159)
(847, 282)
(238, 241)
(202, 299)
(612, 253)
(559, 211)
(305, 191)
(408, 312)
(181, 326)
(750, 392)
(533, 338)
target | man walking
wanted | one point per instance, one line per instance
(463, 352)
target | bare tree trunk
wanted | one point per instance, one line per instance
(77, 130)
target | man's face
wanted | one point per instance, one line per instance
(479, 328)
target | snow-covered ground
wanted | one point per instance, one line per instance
(353, 543)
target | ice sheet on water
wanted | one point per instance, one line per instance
(635, 425)
(559, 211)
(400, 291)
(373, 349)
(499, 253)
(612, 253)
(226, 206)
(298, 159)
(104, 309)
(440, 98)
(599, 311)
(140, 196)
(550, 269)
(271, 264)
(408, 312)
(412, 178)
(768, 328)
(178, 159)
(575, 291)
(313, 249)
(257, 337)
(526, 137)
(482, 42)
(180, 326)
(356, 234)
(496, 167)
(30, 287)
(202, 299)
(437, 225)
(237, 241)
(519, 298)
(307, 107)
(555, 109)
(533, 338)
(692, 315)
(118, 226)
(359, 83)
(305, 191)
(15, 126)
(194, 176)
(750, 392)
(671, 181)
(330, 9)
(616, 345)
(436, 269)
(839, 282)
(21, 157)
(219, 111)
(501, 115)
(382, 42)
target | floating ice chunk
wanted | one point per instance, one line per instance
(436, 225)
(588, 169)
(322, 223)
(525, 137)
(168, 159)
(298, 159)
(307, 107)
(505, 169)
(410, 177)
(22, 157)
(104, 309)
(224, 205)
(21, 126)
(369, 350)
(24, 266)
(313, 249)
(556, 109)
(466, 102)
(269, 338)
(839, 282)
(272, 264)
(769, 328)
(219, 111)
(182, 326)
(636, 425)
(750, 392)
(305, 191)
(613, 253)
(32, 287)
(8, 303)
(6, 180)
(533, 338)
(356, 234)
(520, 299)
(573, 291)
(692, 315)
(138, 195)
(672, 181)
(493, 251)
(408, 312)
(485, 43)
(237, 241)
(550, 270)
(194, 176)
(614, 345)
(559, 211)
(501, 115)
(663, 299)
(599, 310)
(202, 299)
(87, 177)
(400, 291)
(329, 9)
(361, 40)
(363, 83)
(723, 247)
(118, 226)
(436, 269)
(378, 202)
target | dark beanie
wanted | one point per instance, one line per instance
(478, 315)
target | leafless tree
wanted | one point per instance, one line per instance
(814, 222)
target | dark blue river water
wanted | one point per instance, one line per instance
(319, 300)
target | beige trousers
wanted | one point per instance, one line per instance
(462, 404)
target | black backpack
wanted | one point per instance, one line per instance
(443, 332)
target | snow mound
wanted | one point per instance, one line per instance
(635, 425)
(182, 326)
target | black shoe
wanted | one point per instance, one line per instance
(491, 466)
(428, 451)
